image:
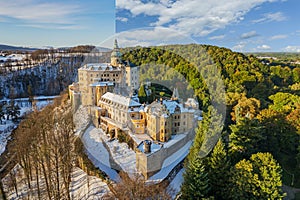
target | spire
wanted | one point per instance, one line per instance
(175, 95)
(116, 56)
(116, 46)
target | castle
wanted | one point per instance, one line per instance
(105, 89)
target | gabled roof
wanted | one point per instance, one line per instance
(99, 67)
(122, 100)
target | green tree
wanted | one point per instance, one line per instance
(219, 171)
(257, 178)
(142, 94)
(281, 135)
(246, 138)
(196, 180)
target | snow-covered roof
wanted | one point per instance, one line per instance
(170, 105)
(102, 83)
(119, 99)
(99, 67)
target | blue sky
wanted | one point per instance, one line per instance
(241, 25)
(56, 23)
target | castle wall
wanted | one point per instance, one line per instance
(149, 164)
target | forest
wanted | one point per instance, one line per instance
(251, 150)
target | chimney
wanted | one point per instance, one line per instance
(147, 146)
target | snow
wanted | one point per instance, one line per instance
(82, 186)
(119, 99)
(97, 153)
(99, 67)
(174, 139)
(170, 163)
(94, 139)
(175, 184)
(8, 126)
(123, 156)
(87, 187)
(5, 131)
(81, 119)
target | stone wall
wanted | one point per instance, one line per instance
(149, 164)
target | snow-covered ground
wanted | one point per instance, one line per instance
(81, 119)
(5, 131)
(82, 186)
(174, 186)
(8, 126)
(97, 153)
(87, 187)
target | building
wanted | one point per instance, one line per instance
(93, 76)
(158, 130)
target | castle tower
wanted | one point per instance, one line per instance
(116, 56)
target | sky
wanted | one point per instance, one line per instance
(241, 25)
(56, 23)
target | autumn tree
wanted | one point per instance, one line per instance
(245, 108)
(257, 178)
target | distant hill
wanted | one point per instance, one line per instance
(14, 48)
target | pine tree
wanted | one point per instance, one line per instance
(142, 94)
(219, 171)
(196, 181)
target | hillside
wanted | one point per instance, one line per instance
(4, 47)
(261, 102)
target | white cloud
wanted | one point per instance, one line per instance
(194, 17)
(269, 17)
(35, 12)
(122, 19)
(277, 37)
(152, 36)
(292, 49)
(217, 37)
(239, 47)
(264, 47)
(248, 35)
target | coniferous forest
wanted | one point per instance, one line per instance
(250, 150)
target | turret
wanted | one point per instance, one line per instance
(116, 56)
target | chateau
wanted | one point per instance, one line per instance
(105, 89)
